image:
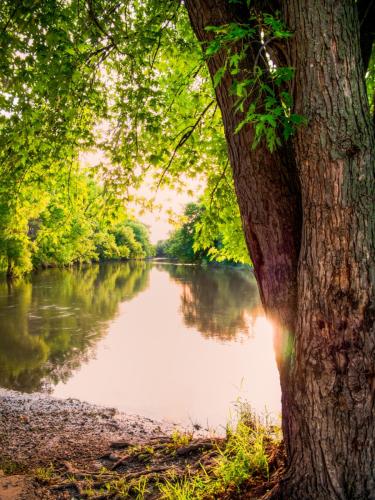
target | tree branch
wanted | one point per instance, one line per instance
(5, 27)
(102, 30)
(222, 176)
(182, 141)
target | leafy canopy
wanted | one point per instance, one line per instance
(129, 79)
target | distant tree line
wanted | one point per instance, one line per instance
(64, 220)
(201, 236)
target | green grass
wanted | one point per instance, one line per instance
(10, 467)
(44, 474)
(181, 439)
(120, 488)
(243, 459)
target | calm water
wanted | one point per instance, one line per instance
(168, 341)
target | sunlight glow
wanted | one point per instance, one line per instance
(263, 326)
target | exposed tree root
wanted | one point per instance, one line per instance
(141, 470)
(160, 460)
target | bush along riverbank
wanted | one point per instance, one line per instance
(66, 220)
(56, 449)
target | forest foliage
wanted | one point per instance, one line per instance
(202, 237)
(65, 219)
(127, 79)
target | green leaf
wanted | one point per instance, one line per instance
(219, 75)
(213, 48)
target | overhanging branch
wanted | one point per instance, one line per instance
(182, 141)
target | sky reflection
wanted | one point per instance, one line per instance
(161, 360)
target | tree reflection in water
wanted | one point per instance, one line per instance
(216, 301)
(50, 323)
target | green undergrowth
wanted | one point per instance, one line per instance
(9, 467)
(44, 474)
(180, 466)
(244, 459)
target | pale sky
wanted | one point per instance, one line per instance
(158, 219)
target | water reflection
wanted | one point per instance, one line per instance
(166, 341)
(216, 301)
(50, 323)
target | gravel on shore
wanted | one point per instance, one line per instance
(38, 428)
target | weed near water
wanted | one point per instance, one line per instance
(180, 466)
(244, 459)
(181, 439)
(9, 467)
(44, 474)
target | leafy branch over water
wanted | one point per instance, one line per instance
(262, 94)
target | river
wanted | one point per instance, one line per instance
(173, 342)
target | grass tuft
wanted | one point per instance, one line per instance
(44, 474)
(244, 459)
(10, 467)
(181, 439)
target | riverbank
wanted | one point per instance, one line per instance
(64, 449)
(35, 428)
(37, 431)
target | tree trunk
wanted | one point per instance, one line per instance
(10, 272)
(268, 194)
(328, 379)
(332, 380)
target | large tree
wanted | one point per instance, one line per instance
(308, 214)
(289, 79)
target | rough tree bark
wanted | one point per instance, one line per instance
(267, 190)
(333, 374)
(316, 277)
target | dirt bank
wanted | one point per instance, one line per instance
(45, 441)
(37, 428)
(66, 449)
